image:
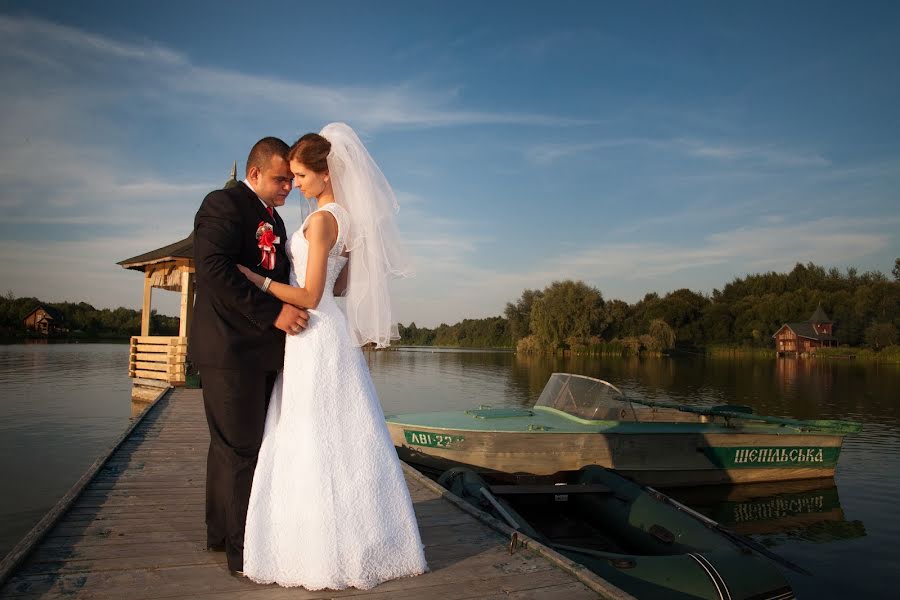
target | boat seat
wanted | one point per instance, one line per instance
(569, 488)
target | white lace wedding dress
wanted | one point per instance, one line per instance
(329, 506)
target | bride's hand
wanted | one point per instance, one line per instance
(253, 277)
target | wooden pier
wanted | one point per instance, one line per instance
(133, 529)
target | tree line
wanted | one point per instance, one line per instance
(82, 319)
(572, 315)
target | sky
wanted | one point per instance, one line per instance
(637, 146)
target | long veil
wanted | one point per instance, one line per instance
(376, 254)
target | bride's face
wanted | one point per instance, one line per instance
(310, 183)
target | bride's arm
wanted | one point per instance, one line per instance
(321, 234)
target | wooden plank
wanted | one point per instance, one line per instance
(167, 340)
(164, 349)
(149, 357)
(33, 537)
(166, 367)
(150, 366)
(171, 378)
(150, 374)
(471, 577)
(148, 383)
(137, 532)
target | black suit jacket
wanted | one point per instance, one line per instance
(233, 320)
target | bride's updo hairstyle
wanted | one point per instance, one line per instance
(311, 150)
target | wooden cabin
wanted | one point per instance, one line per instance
(159, 358)
(45, 320)
(806, 336)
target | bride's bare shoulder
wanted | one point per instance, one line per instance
(321, 226)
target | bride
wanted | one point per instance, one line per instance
(329, 506)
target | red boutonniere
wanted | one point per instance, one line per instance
(266, 240)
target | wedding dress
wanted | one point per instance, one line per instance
(329, 507)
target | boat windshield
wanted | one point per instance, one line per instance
(586, 398)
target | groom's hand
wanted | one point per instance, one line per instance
(292, 320)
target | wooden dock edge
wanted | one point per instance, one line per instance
(21, 550)
(583, 574)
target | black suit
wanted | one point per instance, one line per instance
(237, 350)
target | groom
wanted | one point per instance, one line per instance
(237, 335)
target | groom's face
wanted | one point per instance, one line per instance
(272, 182)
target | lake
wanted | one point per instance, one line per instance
(64, 404)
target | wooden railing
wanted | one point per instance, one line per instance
(158, 357)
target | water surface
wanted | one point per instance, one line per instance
(62, 405)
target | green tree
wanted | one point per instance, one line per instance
(662, 334)
(683, 311)
(879, 335)
(518, 315)
(718, 322)
(617, 318)
(567, 309)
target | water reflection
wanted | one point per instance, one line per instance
(61, 406)
(807, 510)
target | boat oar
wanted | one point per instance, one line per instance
(832, 426)
(735, 537)
(503, 512)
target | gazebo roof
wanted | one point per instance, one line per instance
(180, 249)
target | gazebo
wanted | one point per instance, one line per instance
(161, 358)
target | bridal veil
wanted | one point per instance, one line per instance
(373, 240)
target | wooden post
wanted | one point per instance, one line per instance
(187, 302)
(145, 310)
(192, 288)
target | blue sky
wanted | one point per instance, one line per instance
(639, 146)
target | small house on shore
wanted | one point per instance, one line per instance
(45, 320)
(806, 336)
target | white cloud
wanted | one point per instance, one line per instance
(774, 244)
(20, 29)
(765, 155)
(768, 155)
(462, 288)
(152, 67)
(66, 165)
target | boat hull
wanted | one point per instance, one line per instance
(660, 459)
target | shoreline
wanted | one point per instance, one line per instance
(889, 355)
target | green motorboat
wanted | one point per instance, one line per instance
(635, 537)
(581, 421)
